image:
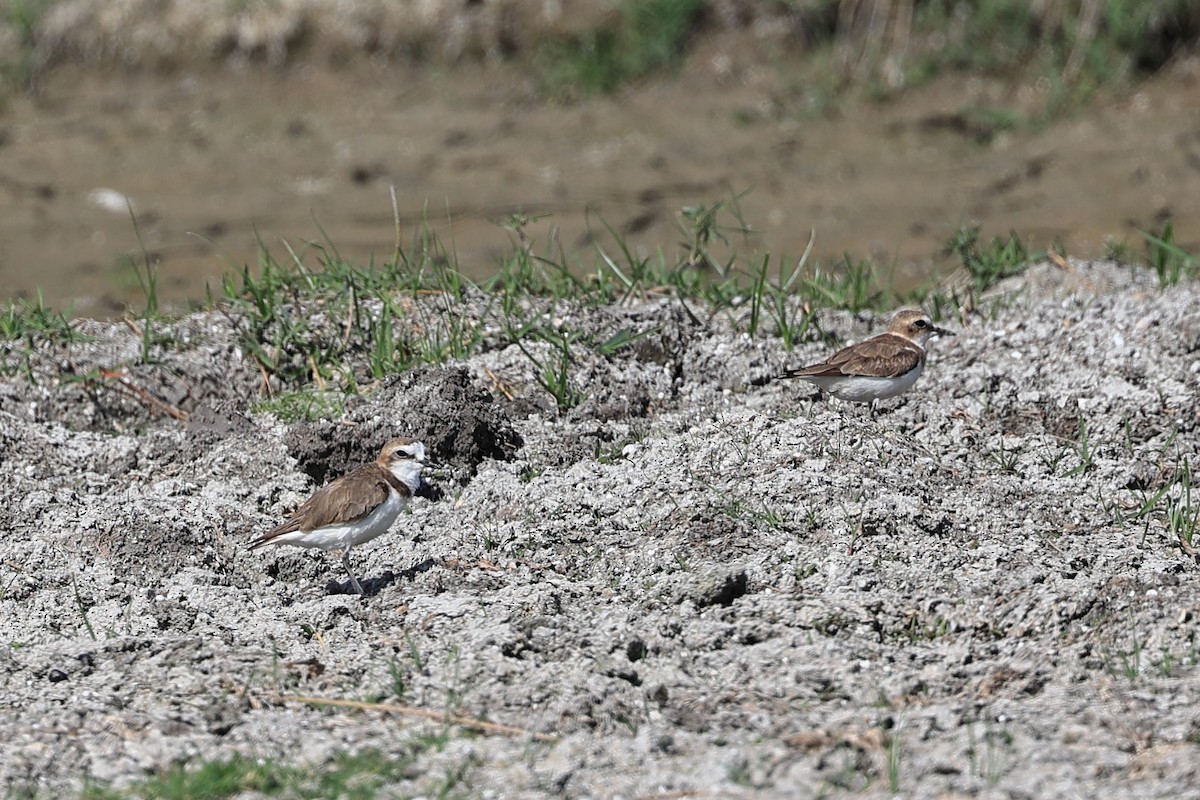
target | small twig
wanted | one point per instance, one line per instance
(399, 229)
(266, 379)
(500, 386)
(316, 373)
(1057, 259)
(410, 711)
(145, 396)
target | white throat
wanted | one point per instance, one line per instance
(921, 340)
(408, 472)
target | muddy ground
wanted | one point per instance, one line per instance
(213, 156)
(699, 582)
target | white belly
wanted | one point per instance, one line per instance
(333, 537)
(864, 389)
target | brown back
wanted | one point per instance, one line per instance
(884, 356)
(348, 499)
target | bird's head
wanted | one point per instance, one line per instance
(404, 458)
(916, 326)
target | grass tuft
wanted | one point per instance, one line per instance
(18, 65)
(1170, 262)
(340, 325)
(24, 319)
(1075, 49)
(553, 372)
(27, 325)
(306, 405)
(988, 263)
(650, 36)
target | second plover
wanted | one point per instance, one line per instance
(877, 368)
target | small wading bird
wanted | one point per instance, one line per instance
(877, 368)
(356, 507)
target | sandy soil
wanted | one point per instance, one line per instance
(700, 582)
(212, 157)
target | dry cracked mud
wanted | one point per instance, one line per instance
(698, 582)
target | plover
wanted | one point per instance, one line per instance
(356, 507)
(877, 368)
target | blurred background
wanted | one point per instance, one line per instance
(189, 134)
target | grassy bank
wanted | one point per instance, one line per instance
(880, 45)
(321, 332)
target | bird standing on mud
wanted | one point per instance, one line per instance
(880, 367)
(356, 507)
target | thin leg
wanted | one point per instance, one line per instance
(353, 580)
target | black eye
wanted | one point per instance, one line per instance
(921, 323)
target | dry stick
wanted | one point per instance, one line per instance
(1059, 260)
(262, 370)
(499, 384)
(316, 373)
(145, 396)
(466, 722)
(399, 231)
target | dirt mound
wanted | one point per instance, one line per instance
(460, 424)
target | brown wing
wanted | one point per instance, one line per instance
(885, 356)
(348, 499)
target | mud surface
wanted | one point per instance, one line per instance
(698, 581)
(212, 157)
